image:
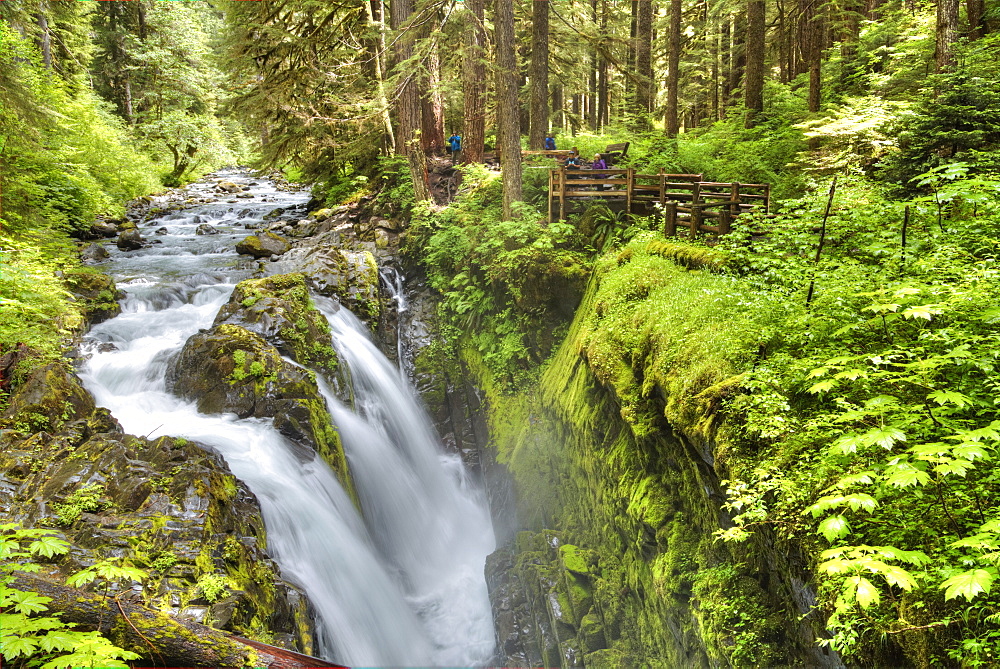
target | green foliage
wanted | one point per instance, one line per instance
(35, 306)
(84, 499)
(213, 587)
(60, 170)
(506, 284)
(44, 641)
(957, 119)
(872, 425)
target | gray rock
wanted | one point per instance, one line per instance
(206, 229)
(161, 231)
(104, 229)
(264, 245)
(130, 240)
(94, 253)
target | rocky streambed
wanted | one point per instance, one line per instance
(256, 455)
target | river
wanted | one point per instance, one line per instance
(399, 583)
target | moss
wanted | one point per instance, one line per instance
(613, 447)
(284, 299)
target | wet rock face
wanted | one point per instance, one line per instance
(168, 506)
(350, 276)
(544, 606)
(264, 245)
(206, 229)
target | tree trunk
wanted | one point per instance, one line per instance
(753, 90)
(376, 12)
(538, 76)
(726, 62)
(947, 33)
(816, 31)
(738, 57)
(432, 103)
(673, 67)
(508, 120)
(595, 104)
(474, 82)
(603, 101)
(976, 12)
(644, 91)
(44, 38)
(408, 103)
(558, 116)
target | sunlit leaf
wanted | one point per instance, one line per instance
(968, 584)
(864, 591)
(834, 528)
(943, 397)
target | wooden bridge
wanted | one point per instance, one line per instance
(686, 200)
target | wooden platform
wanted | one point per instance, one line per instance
(685, 200)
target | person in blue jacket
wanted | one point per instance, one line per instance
(550, 142)
(456, 147)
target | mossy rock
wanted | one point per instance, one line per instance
(279, 309)
(95, 292)
(231, 369)
(167, 506)
(263, 245)
(349, 276)
(47, 399)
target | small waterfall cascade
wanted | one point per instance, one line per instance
(398, 584)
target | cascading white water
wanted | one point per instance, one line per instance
(400, 586)
(426, 516)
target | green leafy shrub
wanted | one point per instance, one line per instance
(43, 641)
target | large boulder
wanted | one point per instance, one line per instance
(230, 369)
(350, 276)
(167, 506)
(130, 240)
(264, 245)
(48, 398)
(101, 229)
(279, 309)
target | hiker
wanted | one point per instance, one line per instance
(456, 147)
(550, 142)
(599, 164)
(572, 160)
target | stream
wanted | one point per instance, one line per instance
(399, 583)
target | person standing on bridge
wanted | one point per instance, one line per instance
(599, 164)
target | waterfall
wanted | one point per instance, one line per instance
(399, 584)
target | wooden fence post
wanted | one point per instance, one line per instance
(562, 193)
(670, 219)
(725, 222)
(550, 195)
(629, 186)
(767, 198)
(734, 199)
(695, 220)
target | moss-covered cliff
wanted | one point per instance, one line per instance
(617, 455)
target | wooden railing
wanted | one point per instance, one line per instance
(686, 200)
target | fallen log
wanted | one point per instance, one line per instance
(160, 640)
